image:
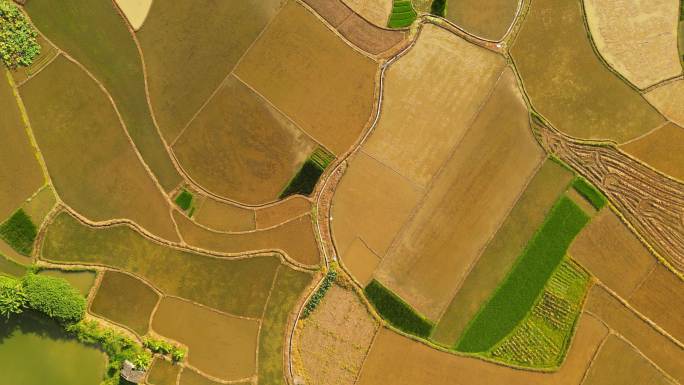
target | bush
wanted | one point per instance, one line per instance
(12, 297)
(589, 192)
(396, 311)
(184, 200)
(19, 232)
(438, 7)
(178, 354)
(165, 348)
(18, 44)
(316, 298)
(54, 297)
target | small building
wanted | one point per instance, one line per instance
(131, 374)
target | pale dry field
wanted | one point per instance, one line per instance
(466, 204)
(669, 99)
(375, 11)
(334, 340)
(361, 261)
(298, 63)
(135, 11)
(612, 253)
(224, 216)
(281, 212)
(661, 149)
(218, 344)
(638, 38)
(428, 106)
(397, 360)
(489, 19)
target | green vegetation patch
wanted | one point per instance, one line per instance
(542, 338)
(397, 312)
(317, 297)
(184, 200)
(54, 297)
(403, 14)
(515, 297)
(10, 267)
(306, 178)
(175, 352)
(589, 192)
(18, 44)
(438, 7)
(19, 232)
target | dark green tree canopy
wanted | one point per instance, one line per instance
(18, 44)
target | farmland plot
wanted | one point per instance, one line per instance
(489, 19)
(375, 11)
(660, 149)
(668, 99)
(163, 372)
(135, 11)
(47, 53)
(281, 212)
(224, 216)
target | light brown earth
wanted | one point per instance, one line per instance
(20, 173)
(397, 360)
(489, 19)
(656, 347)
(334, 339)
(82, 141)
(375, 11)
(239, 147)
(218, 344)
(466, 204)
(298, 63)
(661, 149)
(135, 11)
(638, 38)
(427, 105)
(224, 216)
(669, 99)
(612, 253)
(618, 363)
(281, 212)
(295, 238)
(524, 220)
(360, 261)
(371, 202)
(661, 299)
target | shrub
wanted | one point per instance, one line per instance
(589, 192)
(438, 7)
(19, 232)
(18, 44)
(12, 297)
(178, 354)
(54, 297)
(316, 298)
(396, 311)
(184, 200)
(158, 346)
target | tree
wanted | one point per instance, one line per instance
(12, 297)
(18, 44)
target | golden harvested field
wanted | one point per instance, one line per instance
(568, 84)
(334, 339)
(668, 99)
(489, 19)
(397, 360)
(224, 216)
(661, 149)
(363, 208)
(281, 212)
(656, 347)
(637, 38)
(218, 344)
(618, 363)
(361, 261)
(525, 218)
(466, 204)
(20, 173)
(428, 106)
(661, 299)
(298, 63)
(375, 11)
(82, 141)
(135, 11)
(163, 372)
(174, 44)
(612, 253)
(295, 238)
(132, 309)
(241, 148)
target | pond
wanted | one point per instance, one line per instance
(35, 351)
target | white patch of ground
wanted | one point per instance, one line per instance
(135, 11)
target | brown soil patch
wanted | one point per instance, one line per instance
(224, 216)
(241, 148)
(334, 340)
(163, 372)
(669, 99)
(333, 11)
(20, 173)
(299, 63)
(661, 299)
(661, 149)
(368, 37)
(467, 203)
(361, 261)
(618, 364)
(637, 38)
(612, 253)
(658, 348)
(397, 360)
(295, 238)
(375, 11)
(489, 19)
(372, 202)
(427, 105)
(125, 300)
(220, 345)
(281, 212)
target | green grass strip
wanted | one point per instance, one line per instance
(589, 192)
(397, 312)
(184, 200)
(403, 14)
(511, 302)
(19, 232)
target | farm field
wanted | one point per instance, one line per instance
(377, 12)
(135, 11)
(667, 99)
(163, 372)
(658, 149)
(82, 280)
(222, 216)
(490, 19)
(266, 217)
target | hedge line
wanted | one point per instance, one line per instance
(317, 297)
(397, 312)
(514, 298)
(589, 192)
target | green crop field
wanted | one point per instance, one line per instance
(595, 197)
(306, 178)
(402, 14)
(397, 312)
(19, 232)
